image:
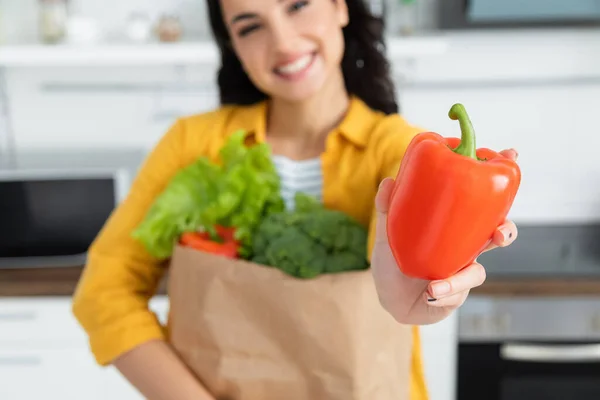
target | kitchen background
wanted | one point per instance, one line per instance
(124, 70)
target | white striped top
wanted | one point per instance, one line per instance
(304, 176)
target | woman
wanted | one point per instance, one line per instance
(305, 76)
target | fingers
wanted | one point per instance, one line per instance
(382, 200)
(510, 153)
(450, 302)
(452, 291)
(504, 235)
(382, 204)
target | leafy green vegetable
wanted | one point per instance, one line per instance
(310, 241)
(238, 192)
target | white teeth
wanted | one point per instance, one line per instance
(295, 66)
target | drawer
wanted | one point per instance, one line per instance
(51, 374)
(50, 321)
(38, 321)
(143, 104)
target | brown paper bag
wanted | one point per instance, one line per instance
(250, 332)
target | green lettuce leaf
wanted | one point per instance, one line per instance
(238, 192)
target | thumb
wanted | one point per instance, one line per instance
(382, 205)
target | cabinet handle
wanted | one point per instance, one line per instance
(126, 87)
(551, 354)
(23, 361)
(17, 316)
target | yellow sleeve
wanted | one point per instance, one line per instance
(111, 299)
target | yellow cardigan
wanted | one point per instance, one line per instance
(111, 300)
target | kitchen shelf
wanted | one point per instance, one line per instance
(157, 54)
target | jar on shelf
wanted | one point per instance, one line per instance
(406, 16)
(53, 20)
(169, 28)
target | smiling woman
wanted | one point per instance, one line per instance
(259, 41)
(309, 78)
(292, 42)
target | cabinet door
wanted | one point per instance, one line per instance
(65, 374)
(105, 106)
(440, 351)
(39, 322)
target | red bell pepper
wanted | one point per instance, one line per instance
(449, 198)
(203, 242)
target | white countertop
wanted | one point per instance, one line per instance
(199, 52)
(511, 57)
(504, 57)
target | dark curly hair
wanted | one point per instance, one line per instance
(365, 67)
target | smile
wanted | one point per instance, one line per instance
(296, 68)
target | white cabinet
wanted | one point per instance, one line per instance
(56, 373)
(44, 354)
(62, 108)
(38, 322)
(440, 356)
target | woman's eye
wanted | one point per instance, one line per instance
(247, 30)
(297, 5)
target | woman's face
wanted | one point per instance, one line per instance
(288, 48)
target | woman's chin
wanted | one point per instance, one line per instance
(300, 92)
(295, 97)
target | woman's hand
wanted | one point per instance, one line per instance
(420, 302)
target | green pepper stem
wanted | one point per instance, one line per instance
(467, 146)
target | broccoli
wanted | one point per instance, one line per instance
(310, 241)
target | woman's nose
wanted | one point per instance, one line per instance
(283, 36)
